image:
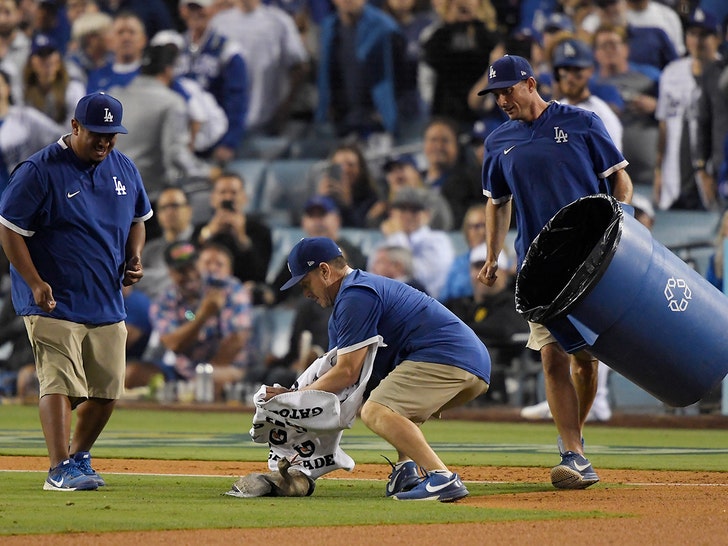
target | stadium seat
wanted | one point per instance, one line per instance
(288, 184)
(263, 147)
(253, 172)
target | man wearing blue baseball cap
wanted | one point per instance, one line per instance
(432, 361)
(544, 157)
(72, 226)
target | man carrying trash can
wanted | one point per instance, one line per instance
(545, 157)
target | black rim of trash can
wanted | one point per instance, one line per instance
(568, 257)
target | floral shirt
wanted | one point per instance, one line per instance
(170, 311)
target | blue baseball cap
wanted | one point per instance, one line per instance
(100, 113)
(306, 256)
(572, 52)
(507, 72)
(557, 22)
(320, 203)
(704, 20)
(43, 45)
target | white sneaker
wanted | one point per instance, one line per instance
(536, 412)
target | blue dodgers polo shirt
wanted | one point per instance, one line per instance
(414, 326)
(562, 156)
(75, 218)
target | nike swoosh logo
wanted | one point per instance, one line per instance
(435, 488)
(581, 467)
(58, 483)
(69, 195)
(505, 152)
(390, 487)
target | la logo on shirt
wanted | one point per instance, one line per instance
(119, 187)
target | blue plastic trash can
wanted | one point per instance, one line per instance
(598, 281)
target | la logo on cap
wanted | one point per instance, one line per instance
(491, 74)
(108, 116)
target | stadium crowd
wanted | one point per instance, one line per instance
(373, 108)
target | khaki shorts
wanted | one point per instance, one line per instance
(539, 336)
(420, 390)
(78, 360)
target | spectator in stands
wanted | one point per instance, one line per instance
(395, 262)
(174, 214)
(638, 85)
(573, 65)
(459, 51)
(247, 238)
(154, 14)
(128, 39)
(90, 49)
(17, 367)
(401, 171)
(217, 64)
(647, 45)
(23, 131)
(14, 43)
(277, 60)
(208, 121)
(432, 251)
(161, 148)
(649, 13)
(349, 183)
(449, 171)
(411, 23)
(206, 316)
(677, 182)
(490, 313)
(712, 124)
(361, 49)
(458, 283)
(47, 85)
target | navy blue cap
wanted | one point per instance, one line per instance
(705, 20)
(402, 159)
(557, 22)
(572, 52)
(100, 113)
(43, 44)
(306, 256)
(322, 202)
(507, 72)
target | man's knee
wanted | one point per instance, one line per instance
(371, 412)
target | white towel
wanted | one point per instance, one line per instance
(308, 425)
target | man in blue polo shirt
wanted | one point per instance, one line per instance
(432, 361)
(72, 226)
(546, 156)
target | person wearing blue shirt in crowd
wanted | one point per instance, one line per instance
(128, 40)
(432, 361)
(358, 67)
(217, 64)
(575, 157)
(72, 227)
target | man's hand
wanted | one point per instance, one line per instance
(489, 273)
(134, 271)
(270, 392)
(43, 295)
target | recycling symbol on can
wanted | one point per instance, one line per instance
(678, 294)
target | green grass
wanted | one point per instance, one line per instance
(134, 433)
(143, 502)
(153, 503)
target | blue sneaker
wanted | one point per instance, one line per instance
(574, 472)
(68, 477)
(436, 486)
(83, 460)
(404, 477)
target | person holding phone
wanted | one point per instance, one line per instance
(349, 183)
(247, 238)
